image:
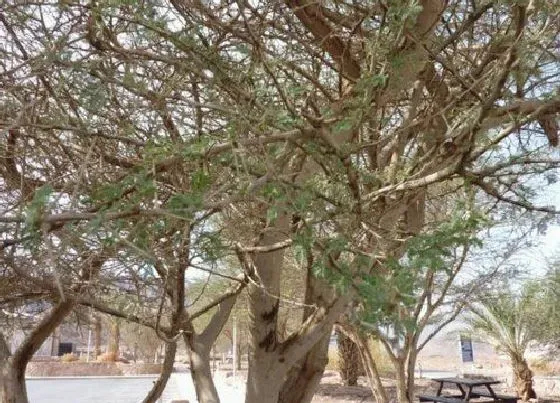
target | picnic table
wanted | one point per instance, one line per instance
(465, 387)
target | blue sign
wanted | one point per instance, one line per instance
(466, 349)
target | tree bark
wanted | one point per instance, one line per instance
(114, 340)
(402, 390)
(12, 386)
(167, 367)
(411, 366)
(523, 377)
(263, 386)
(263, 380)
(12, 367)
(238, 355)
(348, 359)
(370, 367)
(199, 360)
(199, 346)
(97, 336)
(304, 378)
(12, 389)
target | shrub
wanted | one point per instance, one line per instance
(69, 357)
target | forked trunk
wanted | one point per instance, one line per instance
(304, 378)
(523, 377)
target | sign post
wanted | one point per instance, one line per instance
(234, 352)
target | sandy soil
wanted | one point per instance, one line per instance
(332, 390)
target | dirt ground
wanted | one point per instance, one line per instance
(331, 390)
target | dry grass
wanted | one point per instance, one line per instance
(69, 357)
(545, 367)
(107, 357)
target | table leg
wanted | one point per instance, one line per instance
(461, 389)
(491, 391)
(469, 392)
(438, 393)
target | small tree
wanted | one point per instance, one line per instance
(505, 320)
(546, 311)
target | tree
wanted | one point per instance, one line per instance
(426, 289)
(12, 386)
(505, 320)
(96, 324)
(13, 364)
(545, 315)
(349, 360)
(322, 128)
(396, 307)
(113, 345)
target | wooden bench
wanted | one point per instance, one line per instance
(500, 398)
(440, 399)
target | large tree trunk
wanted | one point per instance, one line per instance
(201, 373)
(12, 367)
(523, 377)
(12, 388)
(264, 381)
(167, 367)
(348, 359)
(97, 335)
(114, 340)
(264, 386)
(304, 378)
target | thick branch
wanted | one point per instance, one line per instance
(310, 15)
(232, 292)
(313, 329)
(167, 367)
(220, 317)
(39, 334)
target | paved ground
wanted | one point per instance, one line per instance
(123, 390)
(133, 390)
(110, 390)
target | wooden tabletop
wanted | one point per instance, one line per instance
(466, 381)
